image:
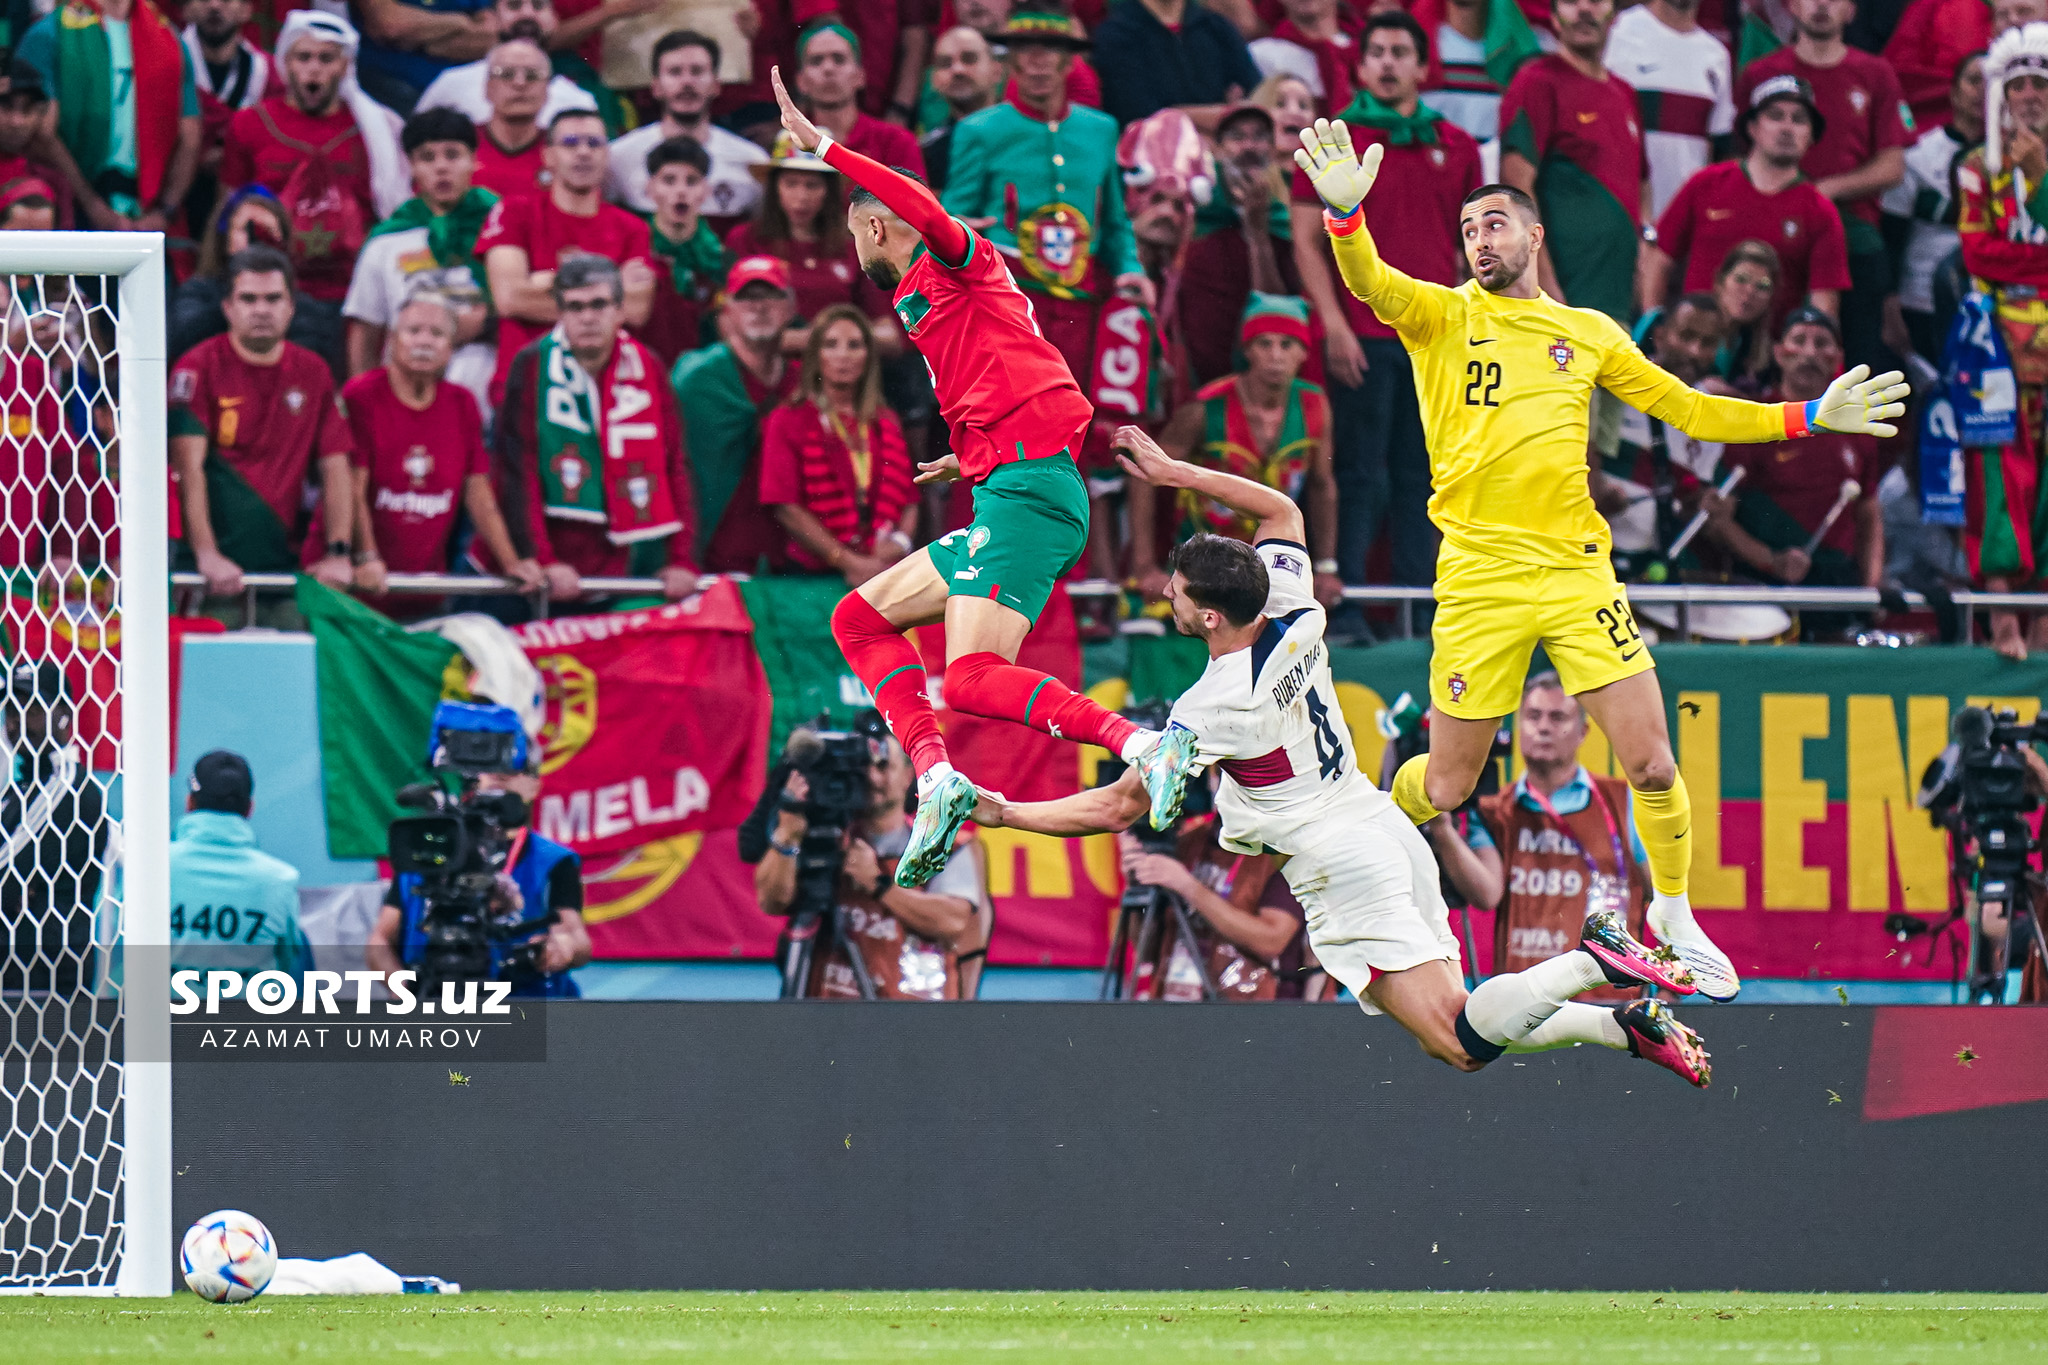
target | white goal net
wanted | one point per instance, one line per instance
(85, 807)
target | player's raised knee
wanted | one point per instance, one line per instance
(1655, 772)
(1447, 790)
(855, 618)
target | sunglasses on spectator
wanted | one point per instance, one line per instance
(519, 75)
(572, 141)
(587, 306)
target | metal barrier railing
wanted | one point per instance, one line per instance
(1683, 596)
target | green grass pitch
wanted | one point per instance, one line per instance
(1440, 1329)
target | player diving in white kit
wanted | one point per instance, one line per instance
(1265, 712)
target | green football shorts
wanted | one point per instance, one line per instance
(1030, 527)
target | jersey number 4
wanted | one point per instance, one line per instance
(1485, 383)
(1329, 746)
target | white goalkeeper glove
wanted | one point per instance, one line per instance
(1340, 175)
(1857, 405)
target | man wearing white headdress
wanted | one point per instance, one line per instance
(318, 135)
(2002, 218)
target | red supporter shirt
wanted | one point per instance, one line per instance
(1413, 209)
(1804, 477)
(268, 422)
(805, 464)
(253, 155)
(1590, 123)
(417, 462)
(1719, 207)
(821, 279)
(535, 224)
(1858, 96)
(508, 174)
(885, 142)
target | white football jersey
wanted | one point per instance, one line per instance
(1268, 717)
(1686, 92)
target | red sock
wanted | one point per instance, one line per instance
(884, 659)
(990, 685)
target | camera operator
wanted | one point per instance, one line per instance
(540, 884)
(1250, 934)
(916, 943)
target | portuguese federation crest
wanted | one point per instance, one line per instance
(1055, 244)
(1561, 352)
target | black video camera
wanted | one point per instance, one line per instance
(460, 848)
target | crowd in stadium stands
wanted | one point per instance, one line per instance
(537, 287)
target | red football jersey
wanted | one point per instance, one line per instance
(1000, 384)
(417, 462)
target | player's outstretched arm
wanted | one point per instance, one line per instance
(1854, 405)
(1278, 517)
(1104, 810)
(1343, 178)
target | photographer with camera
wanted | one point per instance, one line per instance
(477, 894)
(838, 827)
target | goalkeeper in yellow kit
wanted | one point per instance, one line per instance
(1505, 375)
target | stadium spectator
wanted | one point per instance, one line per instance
(1242, 244)
(409, 42)
(829, 78)
(1763, 193)
(1381, 459)
(726, 391)
(1684, 89)
(23, 105)
(525, 239)
(1288, 100)
(511, 150)
(1267, 424)
(1858, 151)
(1566, 840)
(1745, 288)
(685, 67)
(966, 73)
(27, 204)
(1171, 54)
(1475, 48)
(892, 41)
(465, 88)
(328, 152)
(1932, 40)
(916, 943)
(689, 260)
(252, 417)
(1250, 938)
(232, 74)
(801, 220)
(989, 18)
(429, 243)
(1038, 175)
(53, 816)
(251, 216)
(1789, 486)
(233, 906)
(579, 508)
(2002, 246)
(1318, 43)
(420, 463)
(1570, 140)
(834, 468)
(1649, 473)
(127, 136)
(549, 882)
(1920, 214)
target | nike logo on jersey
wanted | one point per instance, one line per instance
(1588, 116)
(1480, 341)
(1632, 654)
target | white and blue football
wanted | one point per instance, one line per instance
(228, 1257)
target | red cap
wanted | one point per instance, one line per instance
(768, 270)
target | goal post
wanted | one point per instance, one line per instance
(85, 1195)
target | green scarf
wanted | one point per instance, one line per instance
(1402, 130)
(702, 257)
(724, 427)
(601, 447)
(451, 236)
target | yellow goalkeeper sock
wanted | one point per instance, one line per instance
(1408, 792)
(1663, 821)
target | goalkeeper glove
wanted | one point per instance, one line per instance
(1857, 405)
(1339, 174)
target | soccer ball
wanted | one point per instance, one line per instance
(228, 1257)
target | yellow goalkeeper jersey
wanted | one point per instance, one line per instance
(1505, 386)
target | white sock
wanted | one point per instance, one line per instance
(1506, 1009)
(932, 776)
(1137, 744)
(1573, 1024)
(1671, 914)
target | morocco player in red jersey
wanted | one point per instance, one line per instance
(1016, 417)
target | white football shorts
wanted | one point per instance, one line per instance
(1373, 899)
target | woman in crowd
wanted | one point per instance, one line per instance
(252, 216)
(834, 467)
(801, 219)
(1744, 287)
(1290, 102)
